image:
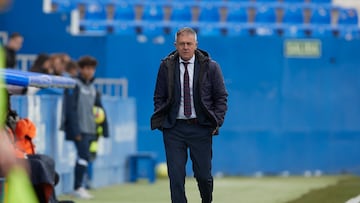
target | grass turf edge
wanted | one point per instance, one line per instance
(345, 189)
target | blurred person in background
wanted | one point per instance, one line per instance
(190, 101)
(79, 120)
(71, 69)
(65, 57)
(13, 45)
(42, 64)
(57, 64)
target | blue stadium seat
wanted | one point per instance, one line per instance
(320, 15)
(209, 13)
(153, 12)
(237, 14)
(321, 24)
(125, 29)
(234, 29)
(265, 14)
(265, 30)
(183, 1)
(294, 1)
(152, 29)
(63, 5)
(95, 11)
(350, 32)
(209, 29)
(95, 19)
(293, 15)
(348, 23)
(348, 16)
(237, 2)
(292, 24)
(211, 1)
(324, 31)
(294, 31)
(181, 13)
(124, 12)
(159, 2)
(237, 20)
(94, 27)
(106, 2)
(265, 20)
(266, 1)
(321, 1)
(85, 2)
(174, 26)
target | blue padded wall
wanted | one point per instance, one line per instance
(285, 114)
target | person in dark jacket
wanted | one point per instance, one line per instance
(79, 121)
(190, 101)
(13, 45)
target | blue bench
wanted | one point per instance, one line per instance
(133, 163)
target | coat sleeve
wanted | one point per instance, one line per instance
(219, 94)
(161, 88)
(71, 124)
(161, 95)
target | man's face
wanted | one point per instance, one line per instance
(186, 45)
(16, 43)
(87, 72)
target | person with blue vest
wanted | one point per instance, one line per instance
(79, 121)
(190, 101)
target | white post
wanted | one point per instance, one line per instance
(47, 6)
(75, 22)
(4, 36)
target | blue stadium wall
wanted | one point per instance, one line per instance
(285, 114)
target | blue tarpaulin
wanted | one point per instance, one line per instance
(24, 79)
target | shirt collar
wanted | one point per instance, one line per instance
(191, 61)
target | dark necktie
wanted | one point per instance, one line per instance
(187, 98)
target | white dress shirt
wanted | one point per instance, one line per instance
(190, 68)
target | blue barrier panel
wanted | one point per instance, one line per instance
(110, 164)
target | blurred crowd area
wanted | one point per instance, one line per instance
(60, 64)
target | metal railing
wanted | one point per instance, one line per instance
(112, 87)
(24, 61)
(117, 87)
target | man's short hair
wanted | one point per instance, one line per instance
(15, 35)
(87, 61)
(186, 30)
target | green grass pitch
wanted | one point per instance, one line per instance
(237, 190)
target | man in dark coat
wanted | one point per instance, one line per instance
(190, 103)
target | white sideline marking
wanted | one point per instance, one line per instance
(354, 200)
